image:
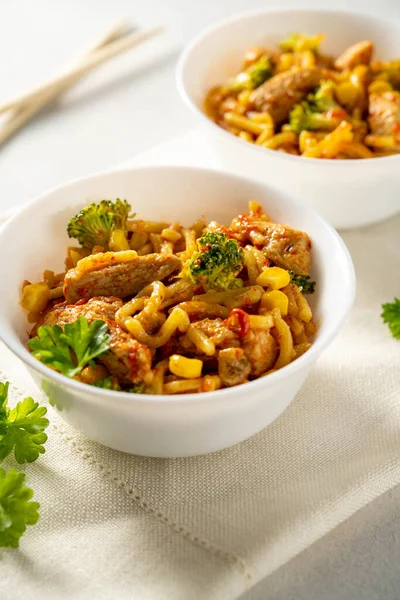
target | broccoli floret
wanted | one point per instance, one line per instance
(303, 282)
(259, 72)
(93, 225)
(322, 99)
(297, 42)
(302, 117)
(253, 77)
(216, 264)
(137, 388)
(109, 383)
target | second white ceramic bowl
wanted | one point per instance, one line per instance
(35, 239)
(348, 193)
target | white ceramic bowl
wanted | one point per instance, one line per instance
(348, 193)
(36, 239)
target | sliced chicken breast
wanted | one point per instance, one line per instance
(278, 95)
(118, 274)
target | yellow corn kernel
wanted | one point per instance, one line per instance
(276, 299)
(188, 368)
(76, 254)
(274, 277)
(376, 87)
(286, 61)
(170, 234)
(118, 241)
(347, 93)
(35, 297)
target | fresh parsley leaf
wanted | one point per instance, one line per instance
(16, 508)
(391, 316)
(303, 282)
(70, 350)
(51, 349)
(21, 428)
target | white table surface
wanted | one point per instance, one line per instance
(126, 108)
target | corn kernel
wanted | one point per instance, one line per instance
(75, 254)
(286, 61)
(118, 241)
(347, 93)
(274, 277)
(188, 368)
(276, 299)
(35, 297)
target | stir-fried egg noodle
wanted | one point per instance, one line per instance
(178, 321)
(298, 100)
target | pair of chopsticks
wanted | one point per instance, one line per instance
(23, 109)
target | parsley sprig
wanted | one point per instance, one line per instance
(70, 350)
(21, 428)
(17, 510)
(22, 431)
(391, 316)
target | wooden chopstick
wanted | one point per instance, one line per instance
(25, 110)
(92, 60)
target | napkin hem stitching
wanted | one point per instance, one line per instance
(134, 493)
(185, 532)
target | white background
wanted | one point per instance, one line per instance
(123, 109)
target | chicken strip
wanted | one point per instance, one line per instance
(278, 95)
(233, 366)
(357, 54)
(260, 350)
(127, 360)
(118, 274)
(384, 113)
(285, 247)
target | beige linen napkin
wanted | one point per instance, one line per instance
(208, 528)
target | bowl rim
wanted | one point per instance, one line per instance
(97, 395)
(204, 33)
